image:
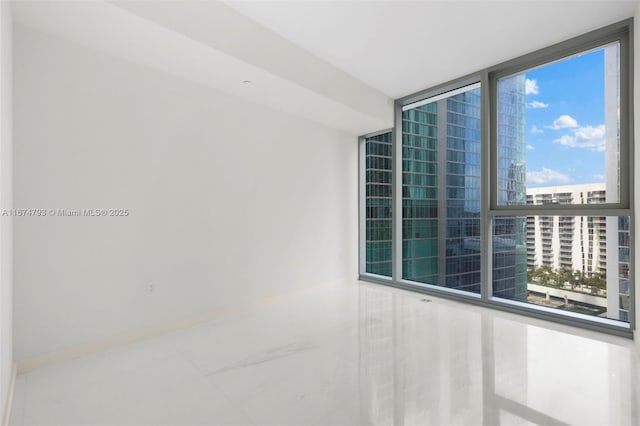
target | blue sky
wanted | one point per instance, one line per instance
(565, 122)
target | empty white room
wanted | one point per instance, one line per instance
(318, 213)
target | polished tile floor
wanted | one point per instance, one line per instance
(354, 354)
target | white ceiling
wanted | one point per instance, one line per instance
(212, 45)
(401, 47)
(336, 62)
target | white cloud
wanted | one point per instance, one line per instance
(531, 87)
(545, 176)
(537, 104)
(599, 177)
(588, 137)
(530, 147)
(535, 130)
(563, 122)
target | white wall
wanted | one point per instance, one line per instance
(230, 202)
(6, 185)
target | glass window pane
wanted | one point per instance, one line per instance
(378, 182)
(572, 263)
(441, 191)
(558, 125)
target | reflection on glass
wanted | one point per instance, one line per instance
(509, 258)
(413, 371)
(441, 191)
(378, 178)
(572, 263)
(559, 125)
(436, 363)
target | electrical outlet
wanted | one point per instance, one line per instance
(151, 288)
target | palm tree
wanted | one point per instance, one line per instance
(543, 274)
(596, 281)
(565, 275)
(579, 278)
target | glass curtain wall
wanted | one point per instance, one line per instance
(378, 204)
(547, 221)
(441, 191)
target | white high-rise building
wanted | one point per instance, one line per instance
(579, 242)
(589, 244)
(617, 227)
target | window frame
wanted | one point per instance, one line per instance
(427, 96)
(618, 32)
(487, 78)
(362, 205)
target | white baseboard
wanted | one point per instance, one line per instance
(9, 401)
(40, 361)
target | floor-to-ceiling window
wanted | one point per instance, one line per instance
(377, 203)
(441, 190)
(511, 186)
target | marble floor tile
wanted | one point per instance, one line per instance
(357, 354)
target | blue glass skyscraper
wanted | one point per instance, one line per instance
(442, 194)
